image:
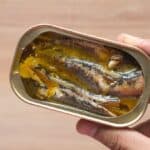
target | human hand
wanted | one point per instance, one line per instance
(143, 44)
(137, 138)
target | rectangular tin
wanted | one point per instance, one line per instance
(120, 121)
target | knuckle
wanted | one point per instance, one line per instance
(115, 143)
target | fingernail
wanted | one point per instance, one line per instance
(145, 45)
(87, 127)
(129, 39)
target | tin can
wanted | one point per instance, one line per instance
(24, 49)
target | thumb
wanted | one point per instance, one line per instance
(113, 138)
(136, 41)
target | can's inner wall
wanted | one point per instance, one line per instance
(78, 73)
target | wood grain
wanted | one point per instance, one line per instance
(27, 127)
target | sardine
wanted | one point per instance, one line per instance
(69, 90)
(125, 84)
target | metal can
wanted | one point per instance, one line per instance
(82, 75)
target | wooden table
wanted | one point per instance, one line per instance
(27, 127)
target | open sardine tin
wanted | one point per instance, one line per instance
(82, 75)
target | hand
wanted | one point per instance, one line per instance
(144, 44)
(137, 138)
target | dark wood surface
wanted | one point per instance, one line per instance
(26, 127)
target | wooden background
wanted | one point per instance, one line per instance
(27, 127)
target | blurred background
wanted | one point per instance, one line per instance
(27, 127)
